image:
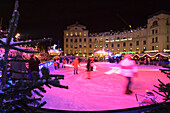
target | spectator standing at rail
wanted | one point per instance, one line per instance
(128, 69)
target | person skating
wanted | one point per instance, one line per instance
(128, 69)
(75, 63)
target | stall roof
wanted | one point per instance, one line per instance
(150, 54)
(162, 54)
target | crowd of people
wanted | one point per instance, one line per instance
(18, 65)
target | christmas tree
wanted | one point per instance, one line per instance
(23, 95)
(164, 90)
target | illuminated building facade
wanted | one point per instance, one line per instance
(154, 37)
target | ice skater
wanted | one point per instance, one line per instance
(88, 68)
(75, 63)
(64, 63)
(128, 69)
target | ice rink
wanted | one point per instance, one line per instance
(104, 91)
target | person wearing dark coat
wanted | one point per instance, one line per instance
(18, 66)
(34, 64)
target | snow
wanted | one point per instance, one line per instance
(104, 91)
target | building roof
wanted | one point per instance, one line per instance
(76, 25)
(159, 12)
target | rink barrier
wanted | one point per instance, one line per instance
(45, 64)
(149, 108)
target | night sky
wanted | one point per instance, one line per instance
(49, 18)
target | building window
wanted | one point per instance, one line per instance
(75, 33)
(80, 51)
(156, 39)
(71, 46)
(84, 50)
(144, 48)
(153, 31)
(95, 45)
(71, 40)
(84, 34)
(124, 44)
(101, 40)
(152, 47)
(95, 40)
(79, 46)
(118, 38)
(66, 39)
(130, 43)
(155, 23)
(101, 45)
(167, 47)
(80, 33)
(106, 45)
(152, 40)
(112, 45)
(137, 43)
(66, 45)
(144, 42)
(118, 45)
(90, 46)
(84, 39)
(107, 40)
(66, 34)
(71, 34)
(84, 45)
(167, 38)
(80, 40)
(75, 46)
(156, 31)
(75, 40)
(90, 40)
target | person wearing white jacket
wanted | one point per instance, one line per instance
(128, 69)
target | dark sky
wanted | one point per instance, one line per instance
(49, 18)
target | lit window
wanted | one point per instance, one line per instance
(76, 33)
(84, 34)
(101, 45)
(80, 33)
(95, 45)
(71, 34)
(106, 45)
(84, 45)
(66, 34)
